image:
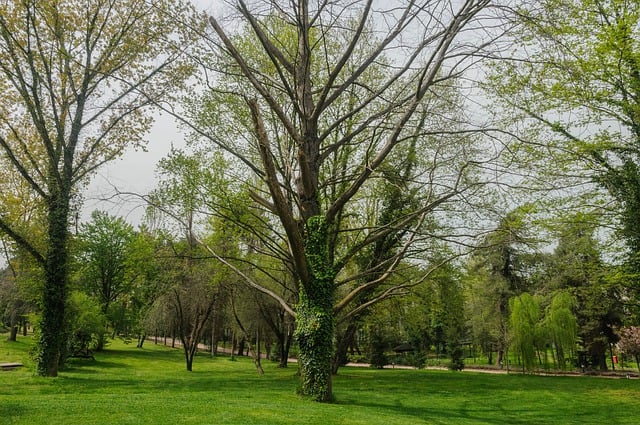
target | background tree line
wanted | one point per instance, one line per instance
(339, 185)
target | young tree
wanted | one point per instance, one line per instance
(562, 326)
(76, 77)
(318, 100)
(192, 299)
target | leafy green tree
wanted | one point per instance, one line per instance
(105, 244)
(562, 327)
(574, 81)
(315, 108)
(580, 270)
(76, 78)
(86, 324)
(525, 329)
(498, 271)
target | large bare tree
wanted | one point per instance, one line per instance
(348, 117)
(76, 77)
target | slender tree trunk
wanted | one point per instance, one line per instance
(284, 347)
(53, 335)
(345, 340)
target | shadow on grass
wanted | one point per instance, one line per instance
(458, 413)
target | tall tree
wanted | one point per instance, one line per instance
(319, 98)
(76, 77)
(497, 272)
(575, 82)
(580, 269)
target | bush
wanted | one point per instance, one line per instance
(417, 359)
(86, 324)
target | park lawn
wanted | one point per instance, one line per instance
(125, 385)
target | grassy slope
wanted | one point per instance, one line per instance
(126, 385)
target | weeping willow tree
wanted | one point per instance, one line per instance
(562, 327)
(524, 325)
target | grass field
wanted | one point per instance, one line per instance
(125, 385)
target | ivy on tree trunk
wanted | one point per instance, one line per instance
(315, 317)
(53, 336)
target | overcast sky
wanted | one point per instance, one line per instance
(135, 171)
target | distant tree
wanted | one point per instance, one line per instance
(105, 244)
(629, 342)
(496, 272)
(579, 269)
(525, 329)
(562, 327)
(192, 300)
(13, 305)
(76, 78)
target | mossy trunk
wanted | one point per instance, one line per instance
(315, 318)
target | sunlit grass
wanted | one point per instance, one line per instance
(125, 385)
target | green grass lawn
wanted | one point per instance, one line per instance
(125, 385)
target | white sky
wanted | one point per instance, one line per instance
(135, 171)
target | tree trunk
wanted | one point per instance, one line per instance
(345, 340)
(141, 339)
(53, 335)
(188, 355)
(284, 345)
(241, 347)
(315, 319)
(13, 335)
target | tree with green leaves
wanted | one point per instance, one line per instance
(574, 81)
(315, 101)
(497, 272)
(579, 269)
(105, 244)
(525, 329)
(76, 79)
(561, 326)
